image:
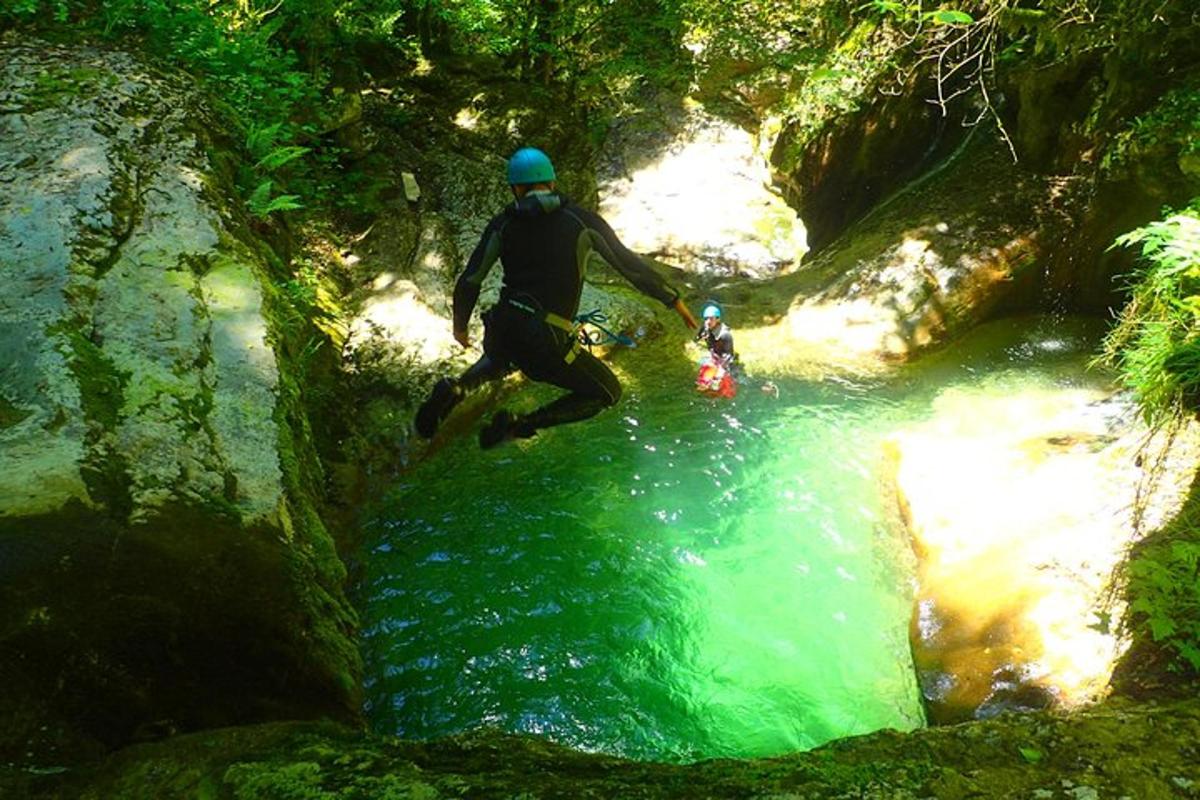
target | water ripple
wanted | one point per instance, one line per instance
(689, 578)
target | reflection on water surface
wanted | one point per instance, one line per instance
(680, 578)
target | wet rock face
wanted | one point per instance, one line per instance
(835, 175)
(1117, 116)
(159, 567)
(1021, 508)
(693, 189)
(955, 249)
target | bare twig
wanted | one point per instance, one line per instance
(963, 61)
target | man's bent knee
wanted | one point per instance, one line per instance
(608, 392)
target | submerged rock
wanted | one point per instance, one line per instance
(162, 563)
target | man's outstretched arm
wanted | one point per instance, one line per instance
(466, 289)
(632, 266)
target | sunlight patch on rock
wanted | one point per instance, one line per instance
(699, 194)
(1020, 507)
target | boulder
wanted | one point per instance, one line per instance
(958, 247)
(162, 563)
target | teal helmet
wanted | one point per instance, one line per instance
(529, 165)
(711, 310)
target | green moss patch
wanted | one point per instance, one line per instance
(102, 394)
(11, 415)
(55, 87)
(1114, 750)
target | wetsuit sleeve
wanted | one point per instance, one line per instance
(624, 260)
(484, 257)
(724, 345)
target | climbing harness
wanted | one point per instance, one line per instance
(595, 317)
(580, 336)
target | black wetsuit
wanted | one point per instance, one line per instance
(544, 242)
(719, 342)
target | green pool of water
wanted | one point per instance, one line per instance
(679, 578)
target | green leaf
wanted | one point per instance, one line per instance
(826, 74)
(284, 202)
(947, 17)
(1161, 628)
(1190, 654)
(280, 156)
(1103, 623)
(884, 6)
(260, 196)
(261, 139)
(1030, 754)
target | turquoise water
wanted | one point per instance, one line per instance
(679, 578)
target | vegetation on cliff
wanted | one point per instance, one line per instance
(1155, 347)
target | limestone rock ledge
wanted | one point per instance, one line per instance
(957, 248)
(1115, 750)
(1021, 508)
(162, 566)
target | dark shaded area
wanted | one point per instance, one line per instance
(857, 160)
(112, 633)
(1065, 114)
(1152, 669)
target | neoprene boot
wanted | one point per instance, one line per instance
(504, 426)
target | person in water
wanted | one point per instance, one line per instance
(543, 242)
(718, 338)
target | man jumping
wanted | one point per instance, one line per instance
(543, 242)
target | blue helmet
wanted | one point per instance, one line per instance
(529, 165)
(711, 310)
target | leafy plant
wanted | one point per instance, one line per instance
(1155, 344)
(913, 12)
(1031, 754)
(262, 203)
(1164, 583)
(279, 157)
(1173, 124)
(262, 144)
(242, 51)
(949, 17)
(59, 10)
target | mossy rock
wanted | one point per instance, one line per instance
(165, 566)
(1113, 750)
